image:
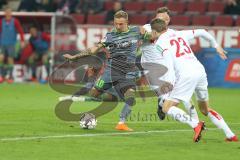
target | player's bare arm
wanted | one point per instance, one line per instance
(90, 51)
(204, 34)
(208, 36)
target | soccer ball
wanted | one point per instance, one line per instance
(88, 121)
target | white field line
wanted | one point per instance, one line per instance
(128, 122)
(95, 135)
(153, 122)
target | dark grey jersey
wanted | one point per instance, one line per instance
(122, 47)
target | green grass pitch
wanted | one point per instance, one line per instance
(29, 130)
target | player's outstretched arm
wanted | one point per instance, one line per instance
(190, 34)
(203, 33)
(87, 52)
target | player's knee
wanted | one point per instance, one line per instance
(131, 101)
(130, 97)
(202, 95)
(94, 92)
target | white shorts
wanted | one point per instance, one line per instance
(201, 90)
(185, 86)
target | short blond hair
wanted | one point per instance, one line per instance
(121, 14)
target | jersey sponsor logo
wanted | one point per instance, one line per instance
(233, 71)
(122, 45)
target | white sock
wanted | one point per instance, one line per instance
(181, 116)
(191, 110)
(220, 123)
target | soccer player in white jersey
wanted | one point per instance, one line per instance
(150, 63)
(190, 76)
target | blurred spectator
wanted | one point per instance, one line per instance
(28, 5)
(53, 5)
(67, 6)
(49, 5)
(8, 31)
(40, 42)
(44, 5)
(110, 14)
(232, 7)
(89, 6)
(2, 3)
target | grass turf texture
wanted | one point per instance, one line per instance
(27, 110)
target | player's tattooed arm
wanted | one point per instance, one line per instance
(87, 52)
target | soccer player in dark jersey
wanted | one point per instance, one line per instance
(120, 71)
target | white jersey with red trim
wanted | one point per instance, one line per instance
(150, 54)
(176, 50)
(189, 73)
(185, 72)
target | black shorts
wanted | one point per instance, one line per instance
(121, 82)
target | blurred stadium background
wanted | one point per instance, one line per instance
(78, 24)
(29, 128)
